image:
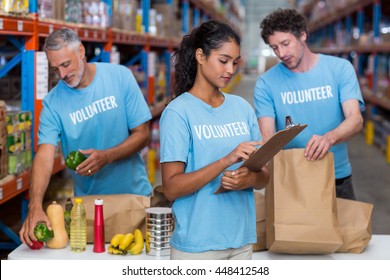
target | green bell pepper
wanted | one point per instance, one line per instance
(74, 159)
(42, 232)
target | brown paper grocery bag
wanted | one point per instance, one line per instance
(260, 222)
(355, 221)
(123, 213)
(158, 198)
(301, 205)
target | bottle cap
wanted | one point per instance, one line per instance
(98, 201)
(78, 200)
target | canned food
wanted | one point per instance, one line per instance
(159, 221)
(158, 213)
(159, 227)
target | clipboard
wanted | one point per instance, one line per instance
(270, 148)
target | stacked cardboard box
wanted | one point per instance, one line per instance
(124, 14)
(168, 19)
(58, 10)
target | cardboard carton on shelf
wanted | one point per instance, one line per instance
(166, 19)
(124, 14)
(59, 10)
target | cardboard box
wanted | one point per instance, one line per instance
(165, 19)
(124, 14)
(59, 10)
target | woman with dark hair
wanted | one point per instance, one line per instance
(205, 136)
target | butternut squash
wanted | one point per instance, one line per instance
(55, 213)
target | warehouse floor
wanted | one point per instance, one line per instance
(371, 178)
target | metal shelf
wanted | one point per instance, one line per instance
(374, 48)
(16, 26)
(211, 12)
(341, 19)
(128, 38)
(339, 14)
(382, 102)
(16, 185)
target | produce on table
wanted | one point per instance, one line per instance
(43, 233)
(36, 245)
(67, 221)
(68, 208)
(55, 213)
(122, 244)
(136, 247)
(74, 159)
(126, 241)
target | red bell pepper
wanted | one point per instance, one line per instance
(36, 245)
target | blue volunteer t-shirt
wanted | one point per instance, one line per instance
(99, 116)
(197, 134)
(314, 98)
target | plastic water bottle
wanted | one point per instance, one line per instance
(98, 236)
(78, 227)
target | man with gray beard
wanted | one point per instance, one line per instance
(97, 109)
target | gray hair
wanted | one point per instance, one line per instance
(60, 38)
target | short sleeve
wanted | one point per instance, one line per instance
(49, 128)
(174, 137)
(137, 109)
(348, 84)
(264, 105)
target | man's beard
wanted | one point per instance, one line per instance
(79, 75)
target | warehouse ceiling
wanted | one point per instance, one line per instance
(258, 9)
(255, 11)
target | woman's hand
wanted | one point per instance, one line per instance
(238, 179)
(242, 152)
(243, 178)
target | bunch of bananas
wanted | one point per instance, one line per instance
(130, 243)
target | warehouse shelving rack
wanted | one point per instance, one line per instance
(334, 22)
(362, 14)
(25, 34)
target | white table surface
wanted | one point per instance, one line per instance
(377, 249)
